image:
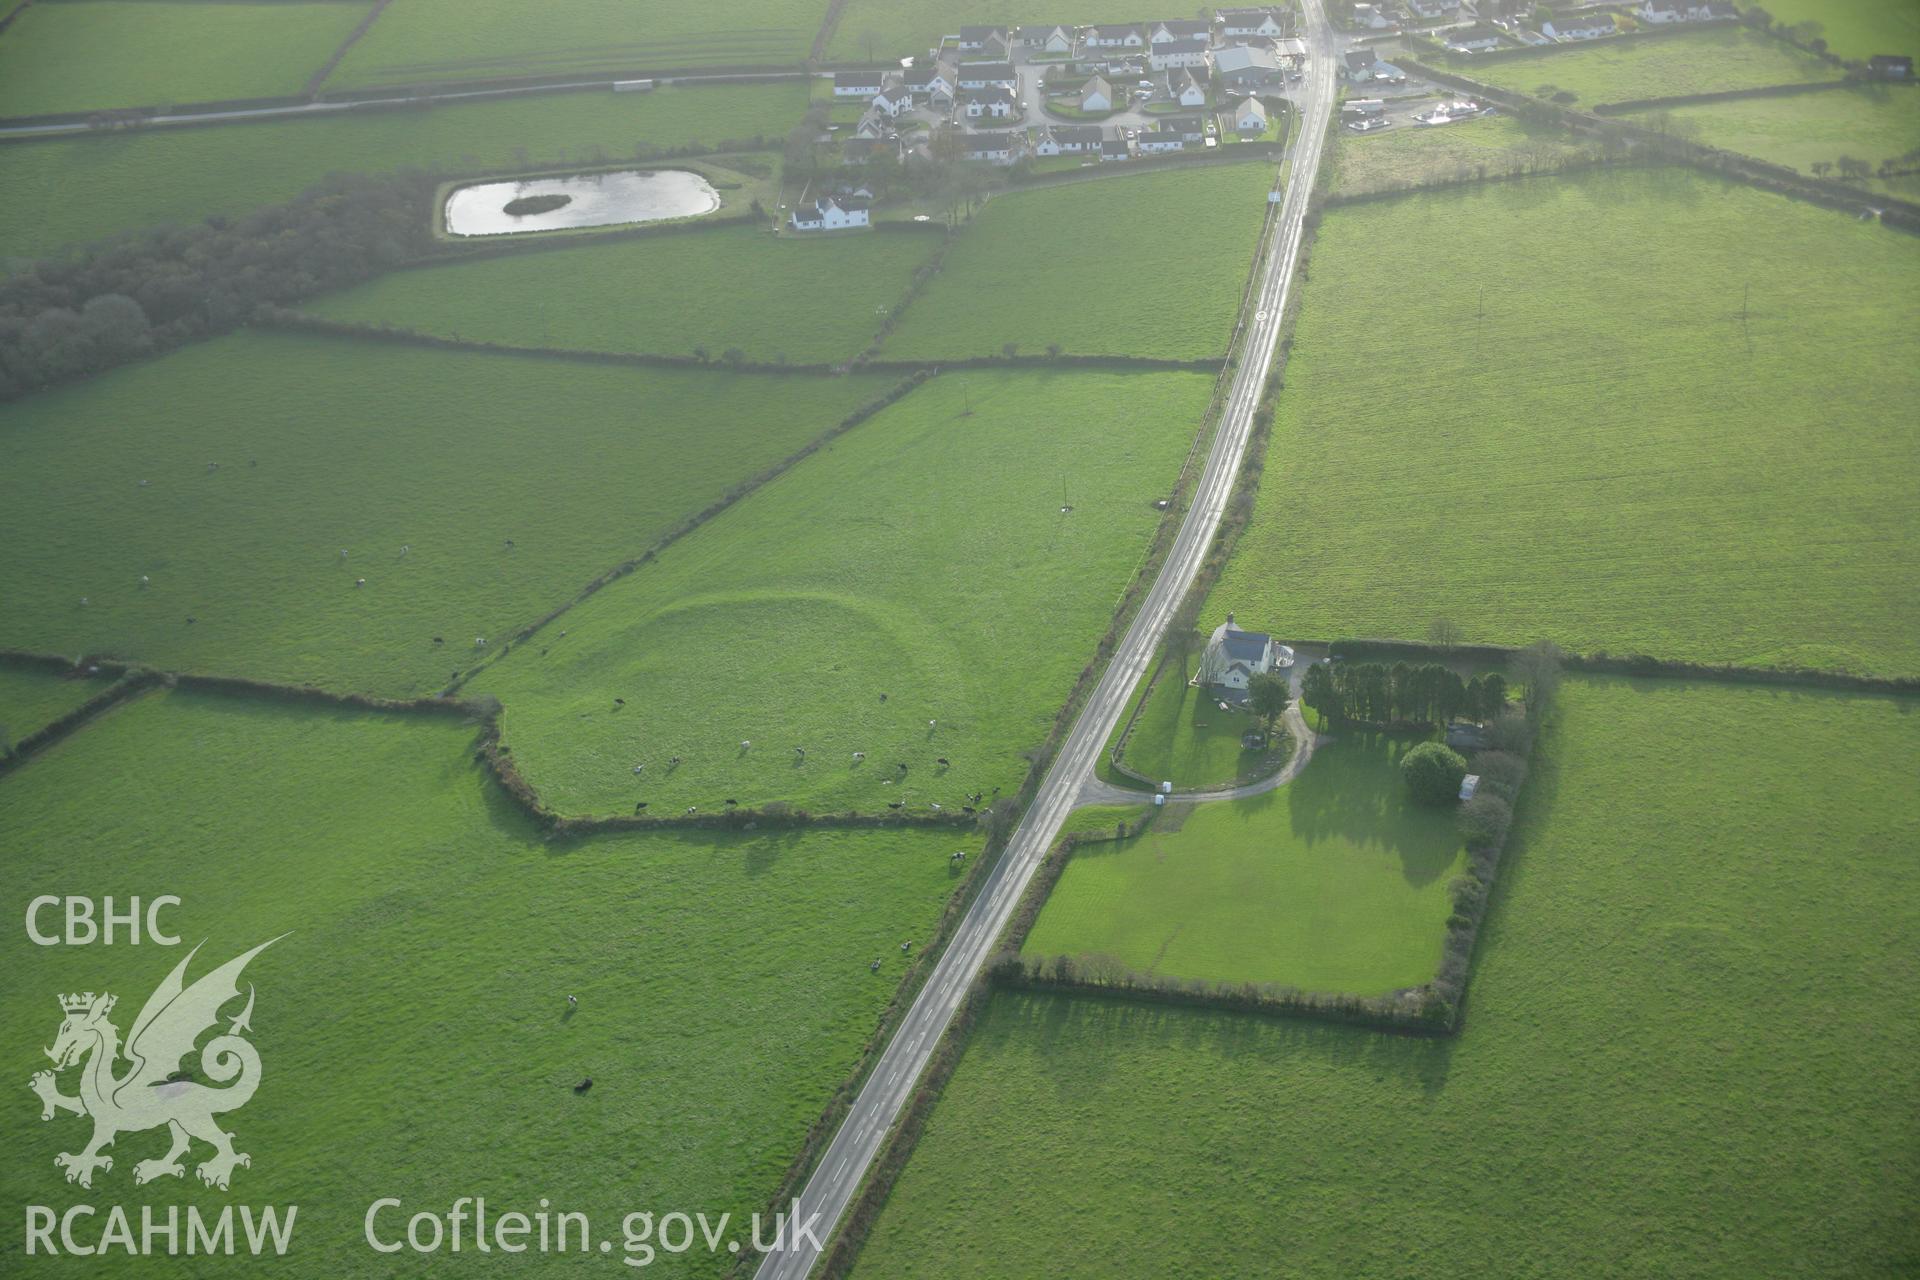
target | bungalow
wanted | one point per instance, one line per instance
(1360, 64)
(1179, 29)
(1002, 146)
(1234, 657)
(1180, 87)
(874, 124)
(991, 41)
(831, 213)
(929, 83)
(858, 84)
(1237, 24)
(1478, 38)
(989, 104)
(1068, 140)
(1096, 95)
(893, 101)
(1664, 11)
(1251, 116)
(1056, 40)
(1579, 26)
(1115, 38)
(988, 75)
(1191, 128)
(1428, 10)
(1159, 141)
(1248, 69)
(1371, 16)
(1188, 52)
(1891, 66)
(1115, 149)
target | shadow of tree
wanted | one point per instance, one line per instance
(1351, 791)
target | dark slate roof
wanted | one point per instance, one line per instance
(975, 35)
(1086, 135)
(1245, 646)
(1358, 58)
(1114, 147)
(874, 78)
(986, 70)
(1181, 28)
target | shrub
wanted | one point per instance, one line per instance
(1432, 772)
(1501, 769)
(1484, 820)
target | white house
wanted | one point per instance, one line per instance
(1191, 128)
(893, 101)
(1428, 10)
(831, 213)
(873, 124)
(1234, 657)
(858, 84)
(1181, 87)
(1115, 38)
(1475, 39)
(1157, 141)
(988, 75)
(1190, 51)
(1003, 146)
(1096, 95)
(929, 83)
(1236, 24)
(1181, 29)
(1251, 116)
(991, 41)
(1371, 17)
(1115, 149)
(1579, 26)
(1663, 11)
(1055, 40)
(988, 104)
(1068, 140)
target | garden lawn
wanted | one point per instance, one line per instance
(70, 190)
(1689, 1050)
(1098, 268)
(31, 698)
(425, 41)
(412, 1022)
(87, 55)
(1857, 29)
(809, 301)
(1335, 882)
(1871, 122)
(1610, 458)
(1184, 738)
(1406, 154)
(882, 30)
(918, 571)
(1710, 61)
(327, 445)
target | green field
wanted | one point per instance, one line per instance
(327, 445)
(1406, 153)
(1872, 122)
(882, 30)
(86, 55)
(1688, 1051)
(771, 297)
(1335, 882)
(423, 41)
(31, 698)
(1184, 738)
(919, 570)
(413, 1024)
(1151, 264)
(1857, 29)
(1710, 61)
(68, 190)
(1609, 457)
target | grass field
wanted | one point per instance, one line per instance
(882, 30)
(1407, 153)
(30, 698)
(920, 570)
(1871, 122)
(1689, 1051)
(69, 190)
(423, 41)
(412, 1025)
(1334, 882)
(1857, 29)
(807, 300)
(1090, 266)
(1690, 62)
(1609, 458)
(1184, 738)
(86, 55)
(331, 444)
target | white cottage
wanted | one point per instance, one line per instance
(1234, 657)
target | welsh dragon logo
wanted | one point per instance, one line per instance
(154, 1091)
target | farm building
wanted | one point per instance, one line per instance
(1248, 69)
(1234, 657)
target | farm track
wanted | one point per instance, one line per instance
(884, 1096)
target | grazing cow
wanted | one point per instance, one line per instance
(359, 582)
(859, 756)
(638, 807)
(584, 1085)
(895, 804)
(942, 760)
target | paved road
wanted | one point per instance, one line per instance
(881, 1099)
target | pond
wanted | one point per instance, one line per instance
(592, 200)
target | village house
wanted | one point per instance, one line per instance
(831, 213)
(1371, 16)
(1096, 95)
(1251, 116)
(1160, 140)
(1428, 10)
(988, 75)
(1069, 140)
(1241, 24)
(1234, 657)
(893, 101)
(1579, 26)
(1180, 29)
(988, 104)
(1191, 128)
(1661, 12)
(874, 124)
(860, 151)
(1188, 52)
(1478, 38)
(1003, 146)
(1054, 41)
(1245, 69)
(1179, 86)
(1115, 149)
(1360, 64)
(931, 84)
(1124, 38)
(988, 42)
(858, 84)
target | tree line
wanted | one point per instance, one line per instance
(91, 308)
(1376, 693)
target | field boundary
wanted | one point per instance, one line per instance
(319, 77)
(127, 684)
(1729, 95)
